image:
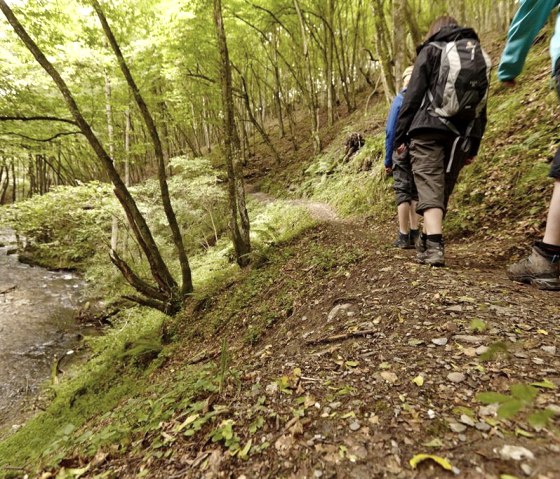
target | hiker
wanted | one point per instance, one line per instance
(399, 166)
(442, 121)
(542, 267)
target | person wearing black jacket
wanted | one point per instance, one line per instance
(436, 163)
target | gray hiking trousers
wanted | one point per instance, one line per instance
(437, 160)
(404, 186)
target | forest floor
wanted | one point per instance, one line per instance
(373, 360)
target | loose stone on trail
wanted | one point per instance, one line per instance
(456, 377)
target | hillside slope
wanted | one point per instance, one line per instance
(336, 355)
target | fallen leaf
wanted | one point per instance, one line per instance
(418, 380)
(418, 458)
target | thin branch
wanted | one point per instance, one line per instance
(341, 337)
(37, 118)
(45, 140)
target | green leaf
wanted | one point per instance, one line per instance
(243, 454)
(524, 392)
(546, 384)
(490, 397)
(523, 433)
(478, 325)
(539, 419)
(418, 458)
(510, 408)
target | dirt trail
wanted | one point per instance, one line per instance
(379, 359)
(319, 211)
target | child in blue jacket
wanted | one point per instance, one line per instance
(542, 267)
(399, 166)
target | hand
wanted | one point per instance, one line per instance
(470, 160)
(401, 149)
(388, 171)
(509, 83)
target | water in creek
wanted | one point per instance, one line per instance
(36, 324)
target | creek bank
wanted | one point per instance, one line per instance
(37, 329)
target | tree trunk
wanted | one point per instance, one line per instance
(399, 40)
(164, 296)
(255, 123)
(186, 286)
(239, 221)
(312, 98)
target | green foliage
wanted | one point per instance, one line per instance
(64, 228)
(522, 396)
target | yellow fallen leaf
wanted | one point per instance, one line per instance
(418, 458)
(418, 380)
(542, 331)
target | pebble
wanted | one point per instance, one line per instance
(549, 349)
(527, 470)
(517, 453)
(482, 426)
(354, 426)
(456, 377)
(456, 427)
(481, 350)
(439, 341)
(467, 420)
(317, 473)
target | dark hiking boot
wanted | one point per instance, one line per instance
(537, 269)
(403, 241)
(433, 255)
(413, 238)
(420, 243)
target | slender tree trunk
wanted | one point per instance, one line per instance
(239, 221)
(163, 297)
(255, 123)
(186, 287)
(313, 106)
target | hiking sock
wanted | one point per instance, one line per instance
(435, 238)
(550, 251)
(414, 234)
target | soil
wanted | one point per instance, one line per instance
(376, 360)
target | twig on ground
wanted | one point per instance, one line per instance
(340, 337)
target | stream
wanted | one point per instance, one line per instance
(37, 323)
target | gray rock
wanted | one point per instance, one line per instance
(456, 377)
(439, 341)
(354, 426)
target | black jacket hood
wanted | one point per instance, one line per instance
(449, 34)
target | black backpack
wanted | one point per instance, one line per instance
(461, 90)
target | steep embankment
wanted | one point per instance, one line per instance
(336, 355)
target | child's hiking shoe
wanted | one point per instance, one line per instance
(420, 243)
(402, 241)
(433, 255)
(537, 269)
(413, 238)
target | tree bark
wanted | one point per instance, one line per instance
(239, 220)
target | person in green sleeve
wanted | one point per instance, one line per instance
(542, 267)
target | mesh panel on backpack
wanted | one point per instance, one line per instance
(461, 90)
